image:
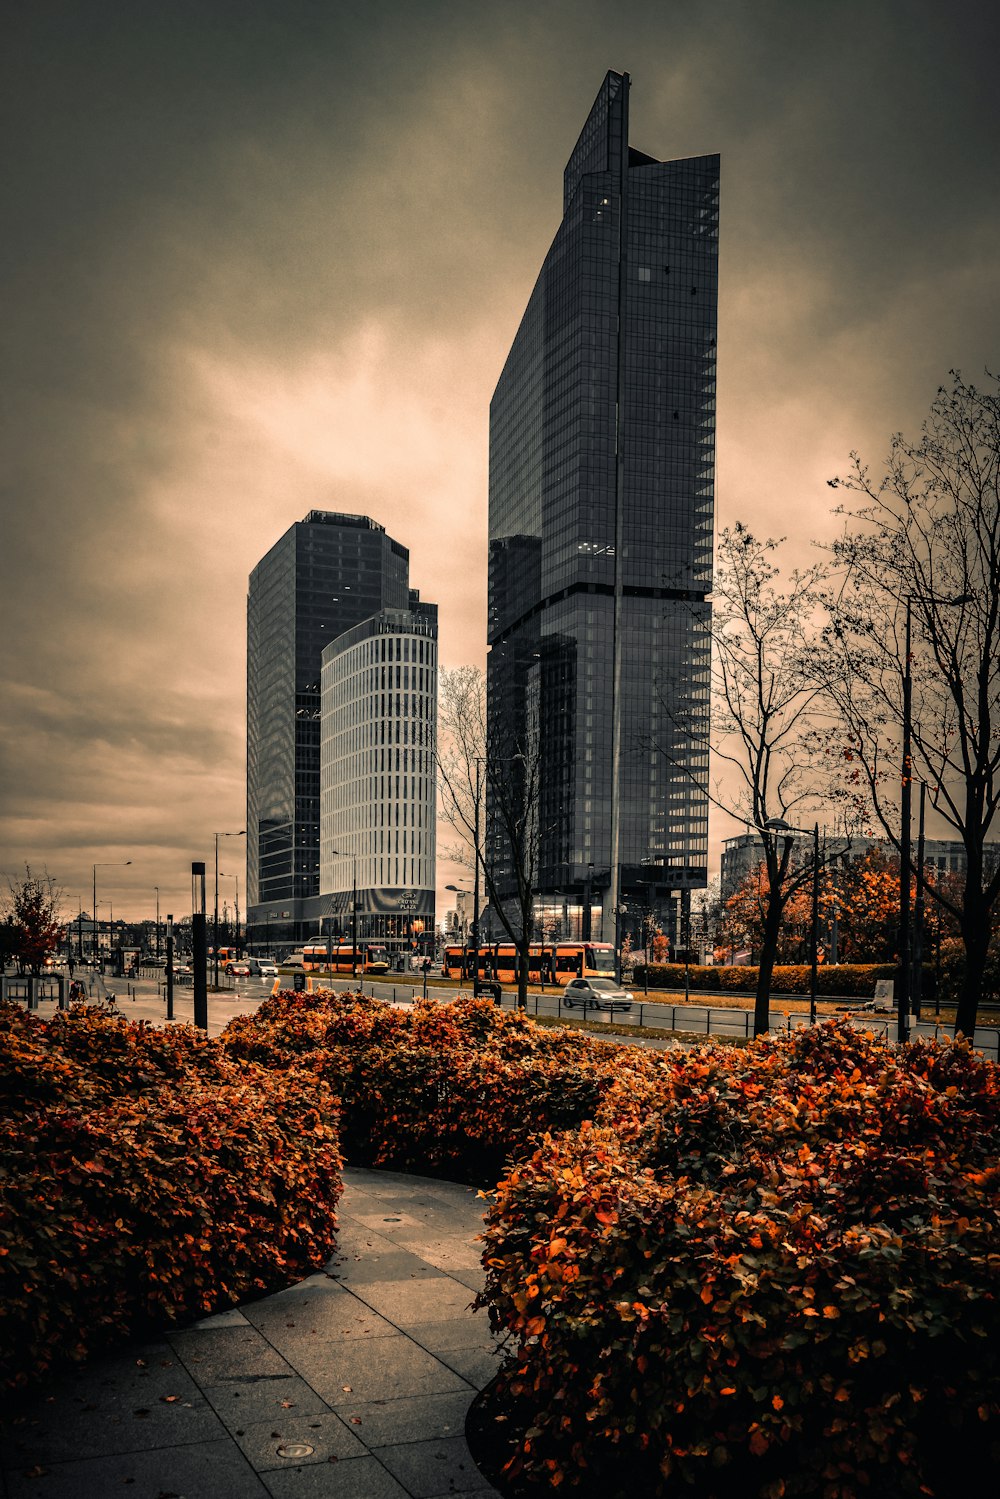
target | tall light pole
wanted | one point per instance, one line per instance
(215, 923)
(465, 947)
(905, 809)
(157, 889)
(475, 882)
(104, 864)
(339, 854)
(903, 972)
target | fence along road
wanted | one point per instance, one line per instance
(143, 999)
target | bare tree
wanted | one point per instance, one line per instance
(766, 715)
(927, 551)
(475, 774)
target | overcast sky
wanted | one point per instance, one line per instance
(265, 257)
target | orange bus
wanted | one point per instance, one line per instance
(370, 957)
(548, 962)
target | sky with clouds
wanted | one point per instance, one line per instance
(261, 258)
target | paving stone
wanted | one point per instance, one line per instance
(384, 1368)
(397, 1264)
(419, 1418)
(408, 1303)
(230, 1318)
(199, 1470)
(471, 1331)
(353, 1478)
(473, 1280)
(326, 1433)
(239, 1402)
(321, 1318)
(224, 1352)
(124, 1403)
(474, 1366)
(427, 1469)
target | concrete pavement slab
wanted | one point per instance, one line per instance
(240, 1402)
(126, 1403)
(200, 1470)
(383, 1368)
(371, 1363)
(428, 1469)
(211, 1355)
(408, 1302)
(355, 1478)
(418, 1418)
(267, 1444)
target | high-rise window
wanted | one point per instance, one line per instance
(602, 459)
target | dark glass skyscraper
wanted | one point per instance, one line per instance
(602, 452)
(326, 574)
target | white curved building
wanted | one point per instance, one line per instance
(377, 776)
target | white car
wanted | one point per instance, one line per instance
(597, 994)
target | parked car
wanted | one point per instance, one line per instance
(597, 993)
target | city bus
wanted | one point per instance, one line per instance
(340, 957)
(548, 962)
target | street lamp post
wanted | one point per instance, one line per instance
(475, 882)
(905, 809)
(903, 973)
(465, 943)
(157, 889)
(917, 980)
(104, 864)
(339, 854)
(814, 969)
(215, 921)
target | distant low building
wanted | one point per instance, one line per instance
(744, 853)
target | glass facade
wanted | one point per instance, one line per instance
(377, 776)
(326, 574)
(602, 458)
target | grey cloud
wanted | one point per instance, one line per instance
(260, 181)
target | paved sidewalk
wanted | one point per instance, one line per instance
(352, 1384)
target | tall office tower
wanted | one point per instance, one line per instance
(602, 451)
(377, 778)
(325, 575)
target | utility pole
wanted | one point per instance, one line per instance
(199, 946)
(475, 883)
(903, 972)
(170, 967)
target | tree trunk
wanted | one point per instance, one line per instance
(768, 956)
(975, 928)
(522, 971)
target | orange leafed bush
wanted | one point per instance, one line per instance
(852, 979)
(772, 1271)
(144, 1177)
(455, 1089)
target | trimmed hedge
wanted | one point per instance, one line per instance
(851, 979)
(772, 1271)
(450, 1089)
(146, 1177)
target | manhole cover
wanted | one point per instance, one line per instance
(295, 1449)
(392, 1220)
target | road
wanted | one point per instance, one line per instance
(142, 999)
